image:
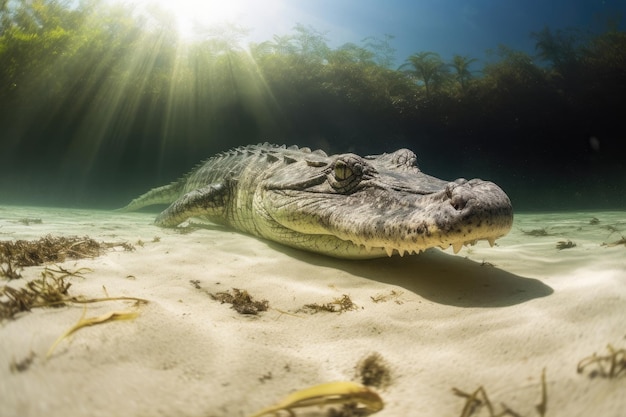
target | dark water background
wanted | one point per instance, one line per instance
(98, 105)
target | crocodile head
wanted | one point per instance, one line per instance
(353, 207)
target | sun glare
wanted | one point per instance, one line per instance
(193, 15)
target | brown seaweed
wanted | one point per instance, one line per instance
(607, 366)
(27, 221)
(22, 365)
(338, 305)
(241, 301)
(393, 295)
(15, 255)
(565, 244)
(536, 232)
(621, 241)
(51, 290)
(49, 248)
(478, 399)
(373, 371)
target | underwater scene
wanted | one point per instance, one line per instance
(312, 208)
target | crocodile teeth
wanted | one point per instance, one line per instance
(456, 247)
(492, 241)
(389, 251)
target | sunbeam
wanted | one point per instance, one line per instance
(98, 93)
(133, 83)
(191, 16)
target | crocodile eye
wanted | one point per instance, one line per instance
(342, 171)
(347, 173)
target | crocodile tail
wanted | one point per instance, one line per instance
(160, 195)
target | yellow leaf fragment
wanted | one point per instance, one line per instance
(341, 392)
(85, 322)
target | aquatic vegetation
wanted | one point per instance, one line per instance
(427, 68)
(348, 410)
(22, 365)
(22, 253)
(565, 244)
(338, 305)
(478, 399)
(8, 270)
(611, 228)
(621, 241)
(51, 290)
(91, 321)
(15, 255)
(27, 221)
(357, 399)
(393, 295)
(536, 232)
(266, 377)
(373, 371)
(241, 301)
(124, 245)
(612, 365)
(560, 48)
(462, 73)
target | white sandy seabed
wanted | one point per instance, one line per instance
(490, 317)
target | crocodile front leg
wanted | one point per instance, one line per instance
(209, 201)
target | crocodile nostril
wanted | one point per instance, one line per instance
(458, 202)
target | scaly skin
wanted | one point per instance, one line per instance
(344, 206)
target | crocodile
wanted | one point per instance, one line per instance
(345, 205)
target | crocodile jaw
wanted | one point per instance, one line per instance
(365, 226)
